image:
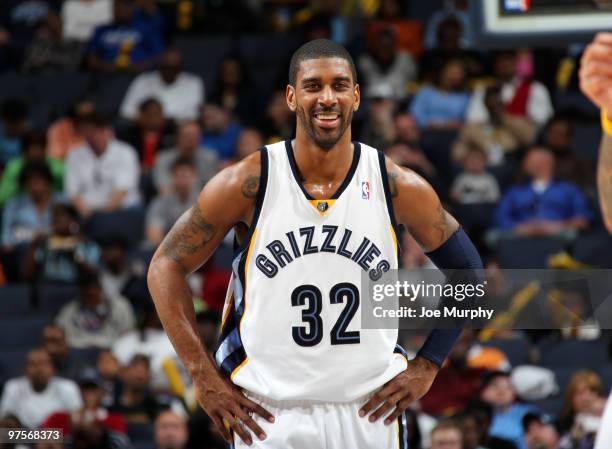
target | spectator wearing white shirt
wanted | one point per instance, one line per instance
(522, 97)
(31, 398)
(81, 17)
(103, 174)
(180, 93)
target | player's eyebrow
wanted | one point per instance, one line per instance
(317, 79)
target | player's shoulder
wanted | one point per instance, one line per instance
(241, 179)
(403, 176)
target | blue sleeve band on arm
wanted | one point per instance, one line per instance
(457, 253)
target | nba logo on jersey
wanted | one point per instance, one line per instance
(517, 5)
(365, 190)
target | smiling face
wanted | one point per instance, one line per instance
(324, 98)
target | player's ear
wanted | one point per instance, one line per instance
(357, 94)
(290, 96)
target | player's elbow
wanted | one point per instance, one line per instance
(161, 270)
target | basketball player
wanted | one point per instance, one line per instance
(294, 369)
(596, 83)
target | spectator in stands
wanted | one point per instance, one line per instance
(208, 327)
(413, 157)
(149, 340)
(180, 93)
(13, 126)
(34, 144)
(379, 128)
(521, 97)
(59, 256)
(279, 123)
(543, 205)
(508, 413)
(220, 132)
(66, 134)
(92, 393)
(29, 214)
(125, 44)
(456, 9)
(249, 141)
(234, 91)
(103, 174)
(557, 135)
(109, 369)
(540, 433)
(81, 17)
(502, 133)
(447, 434)
(31, 398)
(120, 275)
(50, 52)
(481, 413)
(149, 133)
(54, 342)
(134, 399)
(442, 106)
(165, 209)
(170, 431)
(93, 319)
(385, 64)
(456, 383)
(188, 146)
(581, 412)
(475, 185)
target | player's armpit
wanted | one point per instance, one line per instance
(226, 200)
(418, 208)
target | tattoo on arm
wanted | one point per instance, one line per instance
(604, 179)
(250, 187)
(393, 184)
(188, 236)
(442, 224)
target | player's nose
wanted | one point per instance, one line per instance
(327, 97)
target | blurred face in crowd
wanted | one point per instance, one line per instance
(151, 117)
(475, 162)
(184, 178)
(324, 99)
(92, 396)
(215, 118)
(98, 137)
(381, 109)
(452, 76)
(113, 257)
(539, 163)
(188, 138)
(91, 295)
(446, 438)
(136, 375)
(539, 435)
(107, 365)
(449, 34)
(39, 369)
(170, 65)
(384, 46)
(123, 10)
(558, 136)
(35, 151)
(249, 141)
(406, 128)
(64, 223)
(278, 110)
(505, 66)
(230, 72)
(472, 432)
(499, 392)
(584, 397)
(170, 431)
(54, 341)
(389, 9)
(494, 104)
(37, 185)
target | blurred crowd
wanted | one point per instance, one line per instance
(88, 193)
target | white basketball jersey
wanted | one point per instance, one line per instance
(292, 317)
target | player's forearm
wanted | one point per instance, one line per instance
(174, 304)
(604, 179)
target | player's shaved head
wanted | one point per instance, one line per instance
(316, 49)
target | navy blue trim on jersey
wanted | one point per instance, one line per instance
(230, 352)
(345, 183)
(403, 431)
(389, 199)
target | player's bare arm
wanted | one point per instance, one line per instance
(596, 84)
(226, 201)
(418, 209)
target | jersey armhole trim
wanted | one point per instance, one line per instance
(261, 194)
(389, 199)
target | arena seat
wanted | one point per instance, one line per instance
(516, 350)
(59, 91)
(202, 56)
(14, 301)
(140, 432)
(527, 253)
(437, 145)
(109, 90)
(577, 353)
(22, 333)
(594, 250)
(550, 406)
(15, 85)
(127, 224)
(585, 140)
(52, 297)
(11, 364)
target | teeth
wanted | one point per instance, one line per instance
(326, 116)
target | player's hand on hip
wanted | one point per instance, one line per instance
(230, 409)
(596, 71)
(397, 394)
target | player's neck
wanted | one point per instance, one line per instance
(316, 164)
